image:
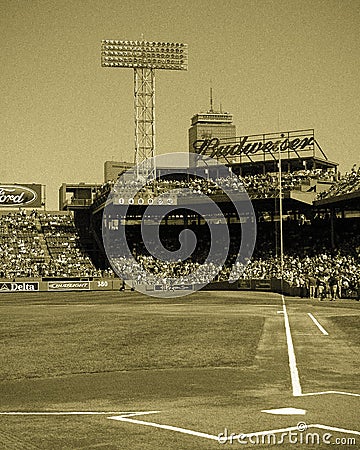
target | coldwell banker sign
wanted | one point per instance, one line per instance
(22, 195)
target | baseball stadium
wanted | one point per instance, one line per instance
(193, 300)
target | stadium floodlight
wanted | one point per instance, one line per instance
(144, 57)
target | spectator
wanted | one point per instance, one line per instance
(311, 286)
(321, 287)
(333, 284)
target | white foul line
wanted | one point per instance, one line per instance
(75, 413)
(216, 438)
(295, 380)
(282, 430)
(165, 427)
(332, 392)
(340, 430)
(321, 328)
(125, 417)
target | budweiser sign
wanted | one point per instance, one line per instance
(214, 148)
(16, 195)
(251, 145)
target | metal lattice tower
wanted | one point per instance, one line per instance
(144, 57)
(144, 108)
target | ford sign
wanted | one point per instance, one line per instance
(17, 195)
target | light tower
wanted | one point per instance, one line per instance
(144, 57)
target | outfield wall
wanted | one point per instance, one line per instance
(240, 285)
(115, 284)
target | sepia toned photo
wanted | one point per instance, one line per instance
(179, 224)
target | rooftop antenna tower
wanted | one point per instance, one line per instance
(211, 98)
(144, 58)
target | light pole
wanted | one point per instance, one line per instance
(144, 57)
(281, 220)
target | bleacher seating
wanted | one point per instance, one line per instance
(257, 186)
(307, 246)
(41, 245)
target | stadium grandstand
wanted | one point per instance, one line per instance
(320, 243)
(39, 244)
(320, 223)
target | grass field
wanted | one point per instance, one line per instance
(175, 373)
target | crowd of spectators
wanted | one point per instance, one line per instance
(38, 244)
(21, 252)
(307, 260)
(296, 270)
(149, 270)
(67, 257)
(308, 256)
(257, 186)
(267, 185)
(47, 245)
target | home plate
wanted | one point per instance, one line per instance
(285, 411)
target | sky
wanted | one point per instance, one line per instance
(275, 65)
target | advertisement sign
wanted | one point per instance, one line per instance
(173, 287)
(289, 141)
(244, 284)
(21, 195)
(262, 285)
(19, 286)
(68, 286)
